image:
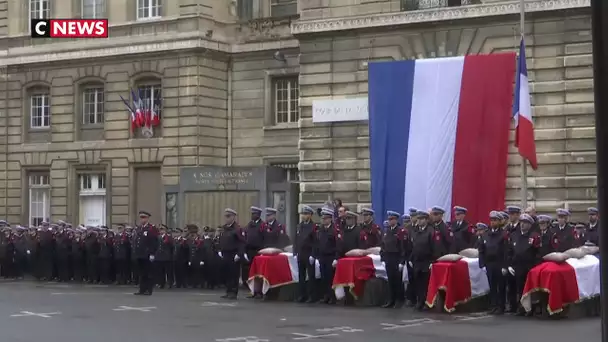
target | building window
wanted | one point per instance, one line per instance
(40, 110)
(93, 9)
(92, 106)
(40, 198)
(244, 9)
(92, 199)
(40, 9)
(149, 9)
(283, 8)
(286, 100)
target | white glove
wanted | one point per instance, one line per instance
(430, 266)
(220, 254)
(189, 263)
(504, 271)
(246, 257)
(511, 270)
(384, 265)
(201, 263)
(295, 256)
(484, 270)
(151, 258)
(334, 263)
(237, 258)
(411, 264)
(400, 267)
(311, 260)
(28, 252)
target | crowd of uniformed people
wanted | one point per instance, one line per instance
(150, 256)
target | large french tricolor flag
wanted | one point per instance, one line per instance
(439, 133)
(522, 111)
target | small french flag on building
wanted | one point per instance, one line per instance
(522, 111)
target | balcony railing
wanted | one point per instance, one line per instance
(414, 5)
(257, 9)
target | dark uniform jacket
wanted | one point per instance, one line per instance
(492, 248)
(20, 243)
(512, 227)
(523, 250)
(395, 244)
(352, 238)
(275, 235)
(63, 246)
(592, 234)
(78, 248)
(165, 248)
(145, 242)
(327, 242)
(443, 239)
(371, 235)
(566, 237)
(121, 246)
(106, 248)
(232, 240)
(46, 244)
(181, 250)
(464, 236)
(305, 239)
(424, 248)
(548, 242)
(196, 248)
(255, 234)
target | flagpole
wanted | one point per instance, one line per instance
(599, 32)
(524, 166)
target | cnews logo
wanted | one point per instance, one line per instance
(69, 28)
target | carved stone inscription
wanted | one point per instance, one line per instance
(223, 177)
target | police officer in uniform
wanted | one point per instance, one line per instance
(522, 255)
(394, 253)
(492, 248)
(46, 248)
(121, 256)
(181, 257)
(232, 251)
(144, 247)
(548, 240)
(163, 259)
(446, 237)
(274, 233)
(255, 231)
(464, 234)
(423, 254)
(371, 234)
(326, 252)
(196, 258)
(592, 232)
(304, 243)
(564, 231)
(352, 235)
(512, 226)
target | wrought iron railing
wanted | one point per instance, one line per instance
(414, 5)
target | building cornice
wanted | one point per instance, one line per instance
(131, 46)
(432, 15)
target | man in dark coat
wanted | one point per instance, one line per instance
(164, 259)
(232, 251)
(146, 244)
(303, 246)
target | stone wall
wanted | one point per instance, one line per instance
(334, 158)
(193, 128)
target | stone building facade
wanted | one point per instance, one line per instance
(234, 82)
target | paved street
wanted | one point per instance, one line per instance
(65, 313)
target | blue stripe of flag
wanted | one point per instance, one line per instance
(390, 106)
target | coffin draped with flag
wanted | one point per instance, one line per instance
(439, 133)
(565, 283)
(275, 271)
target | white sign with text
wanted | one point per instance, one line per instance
(337, 110)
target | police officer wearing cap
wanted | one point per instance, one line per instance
(196, 257)
(371, 234)
(105, 255)
(274, 233)
(514, 213)
(145, 246)
(592, 231)
(63, 245)
(492, 248)
(255, 240)
(464, 234)
(352, 234)
(564, 231)
(304, 243)
(395, 251)
(548, 240)
(78, 259)
(181, 254)
(232, 251)
(522, 255)
(122, 248)
(20, 243)
(424, 253)
(7, 252)
(46, 247)
(163, 259)
(445, 244)
(326, 252)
